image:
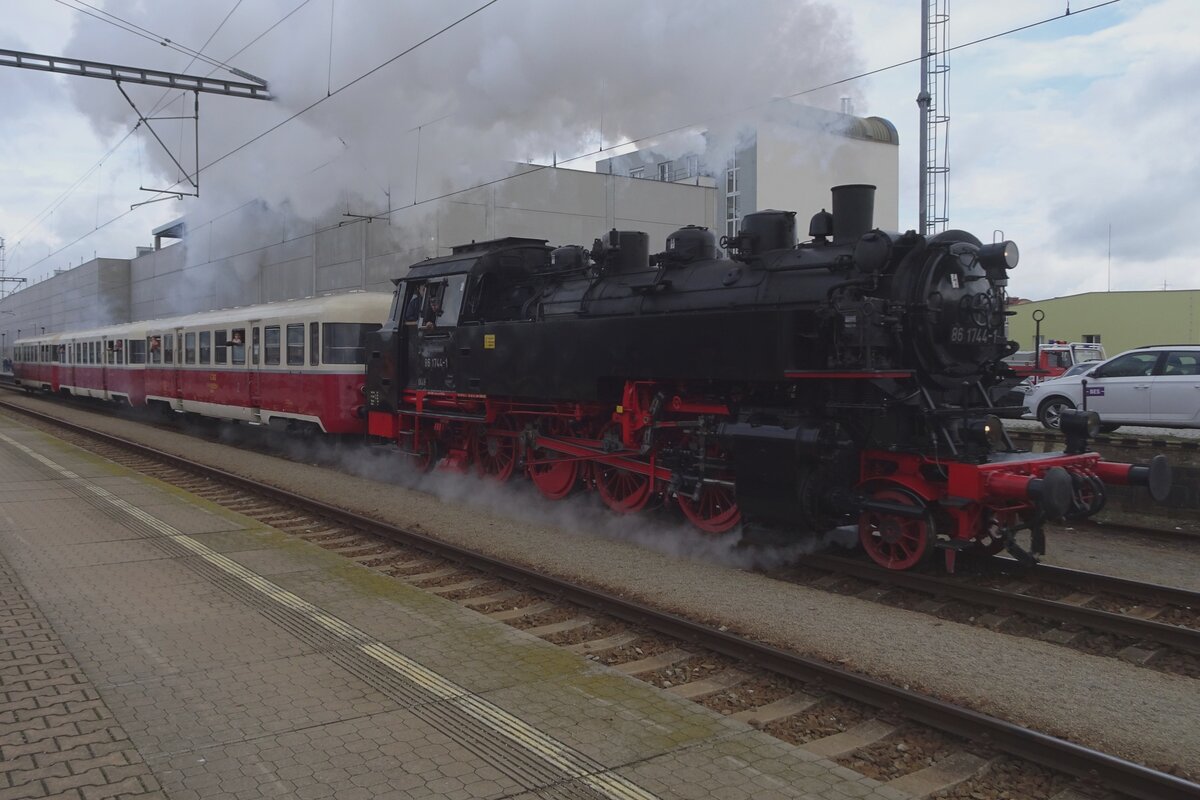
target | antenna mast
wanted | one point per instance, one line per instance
(933, 178)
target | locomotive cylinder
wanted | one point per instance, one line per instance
(853, 211)
(1052, 492)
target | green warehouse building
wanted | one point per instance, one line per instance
(1118, 320)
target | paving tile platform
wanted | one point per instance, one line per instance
(153, 644)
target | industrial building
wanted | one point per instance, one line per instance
(1118, 320)
(259, 255)
(787, 162)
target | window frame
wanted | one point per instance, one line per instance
(294, 352)
(269, 359)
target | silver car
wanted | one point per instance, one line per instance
(1158, 386)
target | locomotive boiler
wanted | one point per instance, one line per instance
(796, 386)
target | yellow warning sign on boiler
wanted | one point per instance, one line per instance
(489, 341)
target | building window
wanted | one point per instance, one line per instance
(664, 171)
(733, 209)
(637, 172)
(1091, 338)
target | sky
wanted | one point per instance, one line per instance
(1058, 134)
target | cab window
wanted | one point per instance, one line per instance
(443, 302)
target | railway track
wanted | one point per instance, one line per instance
(858, 721)
(1147, 624)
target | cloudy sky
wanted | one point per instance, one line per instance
(1056, 133)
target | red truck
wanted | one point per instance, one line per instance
(1052, 359)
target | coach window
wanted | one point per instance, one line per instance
(205, 347)
(271, 344)
(220, 347)
(137, 351)
(314, 344)
(344, 342)
(189, 348)
(237, 346)
(119, 351)
(154, 349)
(168, 348)
(295, 345)
(111, 350)
(254, 348)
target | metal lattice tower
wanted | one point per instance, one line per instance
(935, 119)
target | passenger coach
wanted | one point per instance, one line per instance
(105, 363)
(295, 365)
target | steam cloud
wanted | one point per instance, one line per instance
(521, 80)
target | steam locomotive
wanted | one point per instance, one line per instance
(798, 386)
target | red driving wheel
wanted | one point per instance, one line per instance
(715, 511)
(554, 474)
(495, 449)
(895, 541)
(621, 490)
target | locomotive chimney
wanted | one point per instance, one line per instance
(853, 211)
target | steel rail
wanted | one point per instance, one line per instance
(1111, 583)
(1185, 639)
(1135, 780)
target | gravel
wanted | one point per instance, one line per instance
(1104, 703)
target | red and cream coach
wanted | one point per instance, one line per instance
(296, 365)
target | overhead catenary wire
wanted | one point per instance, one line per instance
(61, 198)
(393, 59)
(588, 154)
(137, 30)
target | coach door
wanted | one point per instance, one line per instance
(105, 358)
(177, 369)
(255, 377)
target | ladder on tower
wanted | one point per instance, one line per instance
(935, 117)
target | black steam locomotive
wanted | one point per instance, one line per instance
(842, 380)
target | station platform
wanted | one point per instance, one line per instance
(153, 644)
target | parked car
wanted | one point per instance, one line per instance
(1158, 386)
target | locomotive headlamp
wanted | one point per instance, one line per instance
(999, 255)
(1078, 426)
(985, 430)
(1080, 423)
